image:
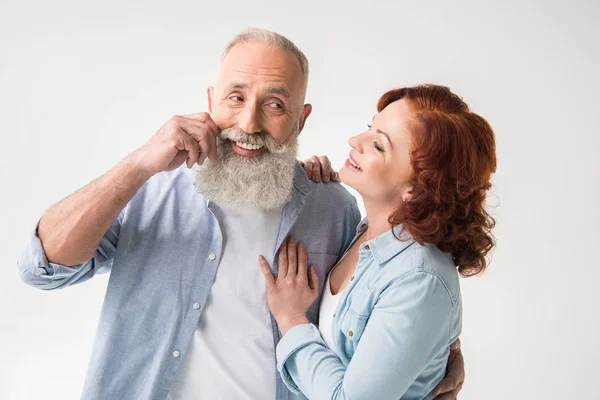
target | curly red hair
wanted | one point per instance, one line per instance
(452, 155)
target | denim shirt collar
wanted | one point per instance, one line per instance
(301, 181)
(385, 246)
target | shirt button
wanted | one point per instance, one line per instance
(196, 306)
(350, 334)
(212, 256)
(333, 315)
(367, 247)
(352, 278)
(176, 354)
(363, 225)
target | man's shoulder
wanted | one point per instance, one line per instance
(331, 194)
(169, 190)
(179, 179)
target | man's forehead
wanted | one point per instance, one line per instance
(247, 63)
(272, 89)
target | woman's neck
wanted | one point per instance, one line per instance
(378, 214)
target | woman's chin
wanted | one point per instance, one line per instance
(346, 177)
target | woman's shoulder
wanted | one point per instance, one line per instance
(423, 263)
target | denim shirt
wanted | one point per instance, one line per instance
(391, 331)
(163, 251)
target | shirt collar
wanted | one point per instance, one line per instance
(301, 181)
(385, 246)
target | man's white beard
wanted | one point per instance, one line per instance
(260, 182)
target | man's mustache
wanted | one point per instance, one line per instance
(237, 135)
(261, 138)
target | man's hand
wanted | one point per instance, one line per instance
(190, 138)
(319, 169)
(455, 375)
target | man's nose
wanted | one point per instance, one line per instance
(250, 120)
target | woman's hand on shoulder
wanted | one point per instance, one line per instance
(318, 169)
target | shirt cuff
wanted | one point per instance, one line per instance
(295, 339)
(36, 269)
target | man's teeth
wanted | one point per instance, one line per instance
(355, 165)
(248, 146)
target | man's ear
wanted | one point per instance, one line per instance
(209, 94)
(306, 110)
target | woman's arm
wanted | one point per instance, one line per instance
(409, 327)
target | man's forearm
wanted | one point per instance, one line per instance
(71, 230)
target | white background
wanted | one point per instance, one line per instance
(83, 85)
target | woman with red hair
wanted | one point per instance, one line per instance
(391, 307)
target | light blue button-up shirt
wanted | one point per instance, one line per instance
(163, 251)
(392, 329)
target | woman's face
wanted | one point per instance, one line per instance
(378, 166)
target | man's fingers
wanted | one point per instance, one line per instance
(204, 135)
(264, 266)
(451, 395)
(186, 143)
(448, 384)
(292, 259)
(193, 151)
(197, 133)
(205, 118)
(455, 345)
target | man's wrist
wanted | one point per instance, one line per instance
(135, 164)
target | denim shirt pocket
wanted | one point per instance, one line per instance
(352, 327)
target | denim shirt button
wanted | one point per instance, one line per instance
(350, 333)
(176, 354)
(367, 247)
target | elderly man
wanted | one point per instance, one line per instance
(185, 314)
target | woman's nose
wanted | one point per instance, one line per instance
(355, 143)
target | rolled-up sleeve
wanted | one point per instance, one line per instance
(408, 328)
(37, 271)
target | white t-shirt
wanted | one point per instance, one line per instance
(232, 354)
(329, 303)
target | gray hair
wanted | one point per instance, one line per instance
(263, 36)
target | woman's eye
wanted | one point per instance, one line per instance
(378, 147)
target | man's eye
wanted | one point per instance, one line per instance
(277, 106)
(378, 147)
(236, 98)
